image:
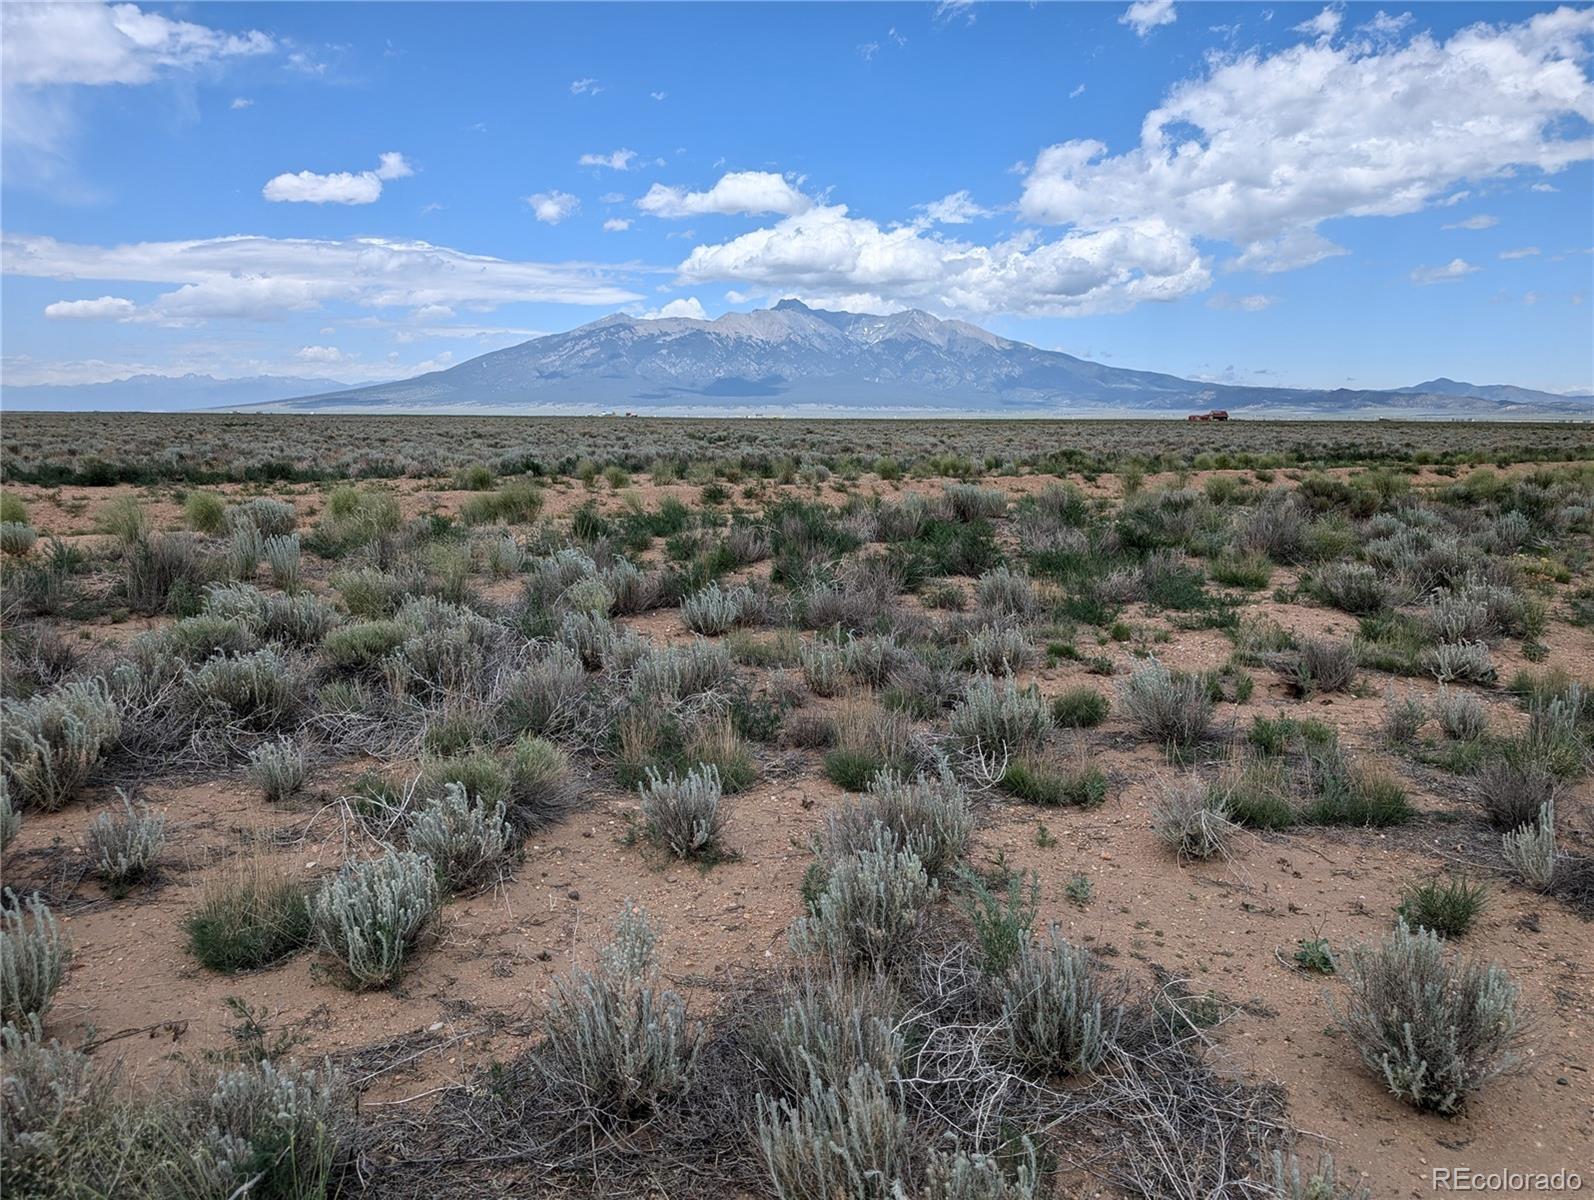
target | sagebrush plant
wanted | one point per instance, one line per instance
(270, 1130)
(959, 1175)
(370, 913)
(1290, 1181)
(871, 904)
(466, 839)
(1460, 662)
(1057, 1013)
(1173, 710)
(824, 668)
(1531, 850)
(1513, 784)
(1192, 819)
(10, 818)
(684, 813)
(1461, 715)
(260, 691)
(1001, 718)
(33, 957)
(998, 650)
(849, 1140)
(1436, 1027)
(279, 769)
(126, 846)
(63, 1129)
(618, 1046)
(714, 610)
(826, 1024)
(17, 538)
(1404, 716)
(929, 816)
(51, 744)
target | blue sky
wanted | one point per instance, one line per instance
(1357, 195)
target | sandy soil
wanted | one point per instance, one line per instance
(474, 992)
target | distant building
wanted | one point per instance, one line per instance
(1217, 414)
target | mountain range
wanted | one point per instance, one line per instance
(164, 393)
(800, 361)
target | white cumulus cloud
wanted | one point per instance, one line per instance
(616, 160)
(1145, 15)
(958, 208)
(737, 192)
(1264, 148)
(1452, 272)
(261, 278)
(1252, 303)
(689, 306)
(1480, 221)
(552, 207)
(339, 187)
(102, 44)
(616, 225)
(826, 252)
(106, 308)
(319, 354)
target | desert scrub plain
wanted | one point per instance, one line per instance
(430, 807)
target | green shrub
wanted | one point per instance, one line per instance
(1347, 794)
(205, 512)
(249, 917)
(1080, 708)
(1002, 922)
(1037, 782)
(852, 768)
(1256, 795)
(363, 645)
(1447, 905)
